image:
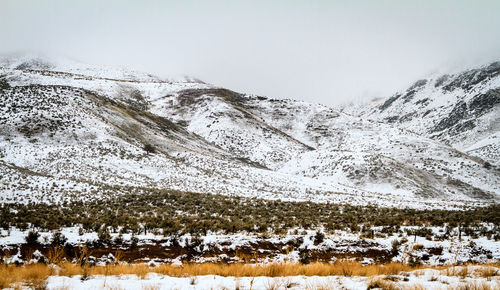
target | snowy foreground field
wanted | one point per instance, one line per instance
(342, 275)
(472, 277)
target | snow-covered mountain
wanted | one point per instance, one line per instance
(74, 131)
(461, 110)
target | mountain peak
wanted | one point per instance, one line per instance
(52, 63)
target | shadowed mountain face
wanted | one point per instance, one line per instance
(71, 131)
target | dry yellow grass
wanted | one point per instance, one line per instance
(478, 285)
(487, 272)
(36, 274)
(341, 268)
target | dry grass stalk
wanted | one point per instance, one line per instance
(477, 285)
(380, 283)
(82, 254)
(321, 285)
(487, 272)
(150, 287)
(55, 255)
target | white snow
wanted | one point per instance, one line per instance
(426, 279)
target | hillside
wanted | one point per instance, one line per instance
(70, 131)
(461, 110)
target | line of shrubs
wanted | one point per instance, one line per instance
(177, 212)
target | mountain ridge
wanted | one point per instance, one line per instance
(209, 139)
(461, 110)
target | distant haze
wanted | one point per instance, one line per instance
(329, 52)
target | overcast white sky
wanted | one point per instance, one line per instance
(321, 51)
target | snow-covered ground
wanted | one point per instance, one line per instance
(419, 279)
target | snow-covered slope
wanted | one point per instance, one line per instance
(73, 131)
(461, 110)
